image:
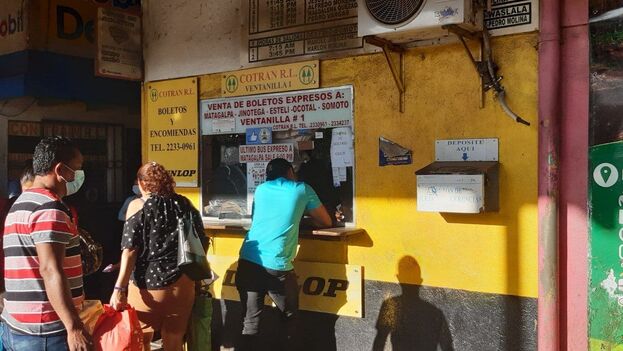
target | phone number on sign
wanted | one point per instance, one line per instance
(180, 146)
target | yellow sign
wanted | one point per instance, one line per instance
(173, 128)
(323, 287)
(271, 79)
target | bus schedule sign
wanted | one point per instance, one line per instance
(172, 128)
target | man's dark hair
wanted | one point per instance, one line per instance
(51, 151)
(28, 175)
(277, 168)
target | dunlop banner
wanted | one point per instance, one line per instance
(172, 128)
(288, 77)
(323, 287)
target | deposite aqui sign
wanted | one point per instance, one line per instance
(323, 287)
(172, 128)
(311, 109)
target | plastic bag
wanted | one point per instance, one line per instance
(118, 331)
(198, 335)
(90, 313)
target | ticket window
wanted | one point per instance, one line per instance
(228, 183)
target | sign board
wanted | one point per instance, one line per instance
(172, 128)
(119, 48)
(288, 77)
(456, 193)
(13, 26)
(311, 109)
(606, 245)
(467, 150)
(265, 153)
(71, 24)
(323, 287)
(259, 136)
(290, 28)
(512, 16)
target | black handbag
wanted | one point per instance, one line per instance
(91, 252)
(191, 256)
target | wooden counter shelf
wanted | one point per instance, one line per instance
(337, 233)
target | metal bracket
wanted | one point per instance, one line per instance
(397, 73)
(486, 68)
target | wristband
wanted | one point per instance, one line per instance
(122, 289)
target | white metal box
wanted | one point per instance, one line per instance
(458, 187)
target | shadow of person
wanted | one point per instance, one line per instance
(410, 322)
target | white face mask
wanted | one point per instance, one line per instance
(74, 185)
(136, 190)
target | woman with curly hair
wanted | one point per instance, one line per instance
(161, 294)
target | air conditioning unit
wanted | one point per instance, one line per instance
(403, 21)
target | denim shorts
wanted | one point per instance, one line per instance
(13, 341)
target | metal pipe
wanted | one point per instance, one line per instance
(548, 324)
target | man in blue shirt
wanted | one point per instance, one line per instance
(265, 265)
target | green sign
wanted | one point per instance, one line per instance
(606, 241)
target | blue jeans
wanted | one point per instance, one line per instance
(13, 341)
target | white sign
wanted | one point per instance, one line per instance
(265, 152)
(457, 193)
(342, 147)
(119, 47)
(310, 109)
(256, 175)
(467, 150)
(512, 16)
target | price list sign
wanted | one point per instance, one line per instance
(277, 29)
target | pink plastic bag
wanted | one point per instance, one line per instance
(118, 331)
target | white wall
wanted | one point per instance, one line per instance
(185, 38)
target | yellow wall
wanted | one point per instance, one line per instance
(492, 252)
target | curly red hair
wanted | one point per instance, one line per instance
(155, 179)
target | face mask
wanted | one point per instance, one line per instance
(74, 186)
(136, 190)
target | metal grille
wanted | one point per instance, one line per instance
(393, 11)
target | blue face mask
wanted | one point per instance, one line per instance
(136, 190)
(73, 186)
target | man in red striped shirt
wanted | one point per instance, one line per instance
(43, 270)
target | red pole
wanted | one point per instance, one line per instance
(549, 141)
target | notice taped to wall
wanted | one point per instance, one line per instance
(512, 16)
(278, 29)
(265, 153)
(119, 47)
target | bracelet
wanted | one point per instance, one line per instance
(122, 289)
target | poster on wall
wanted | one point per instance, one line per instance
(71, 24)
(13, 26)
(275, 30)
(605, 176)
(310, 109)
(119, 47)
(172, 128)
